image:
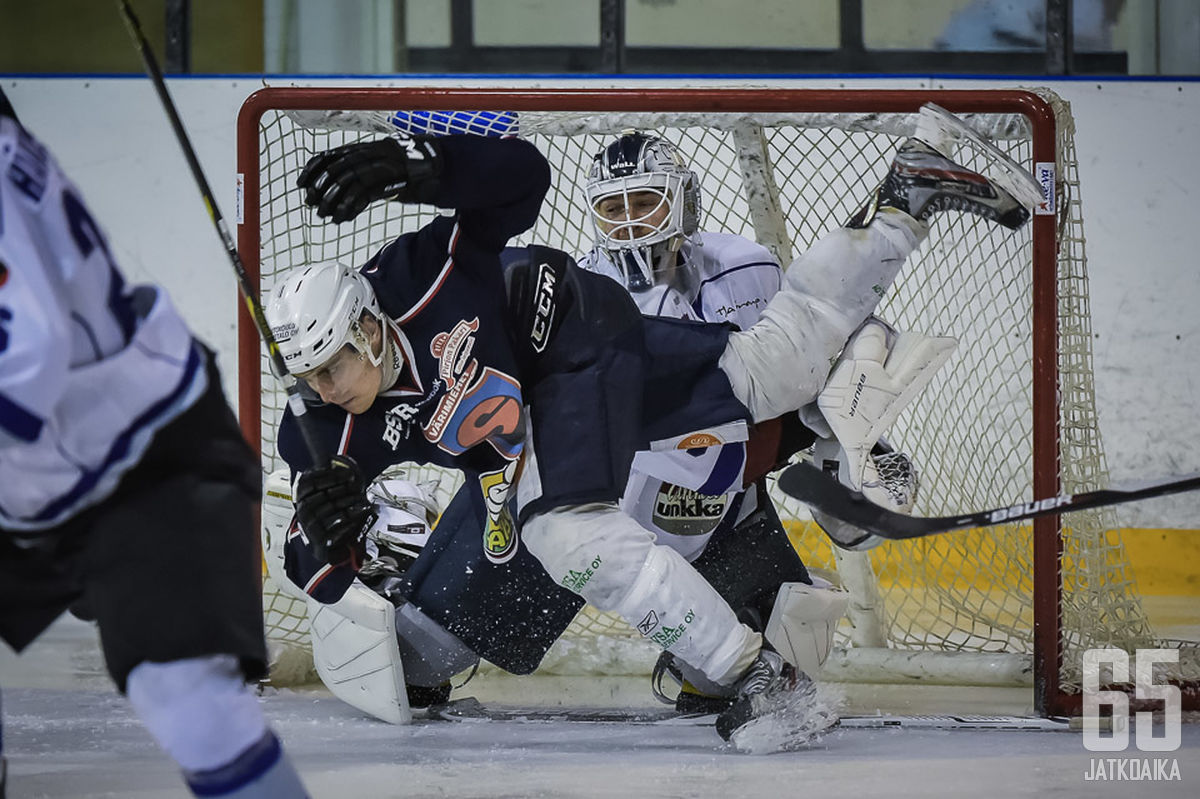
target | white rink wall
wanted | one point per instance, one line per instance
(1139, 162)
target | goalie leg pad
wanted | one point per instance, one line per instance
(613, 562)
(431, 655)
(780, 363)
(803, 621)
(355, 652)
(880, 372)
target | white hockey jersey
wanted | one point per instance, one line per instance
(90, 368)
(678, 492)
(735, 278)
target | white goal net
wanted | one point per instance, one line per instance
(1009, 418)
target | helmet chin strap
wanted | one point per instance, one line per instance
(390, 359)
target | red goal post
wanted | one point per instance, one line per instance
(854, 131)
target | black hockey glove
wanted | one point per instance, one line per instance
(341, 182)
(333, 510)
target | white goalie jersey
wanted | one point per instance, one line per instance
(734, 278)
(680, 494)
(90, 368)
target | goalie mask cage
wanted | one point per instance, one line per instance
(1011, 416)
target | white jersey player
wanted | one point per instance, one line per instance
(120, 460)
(645, 206)
(716, 277)
(645, 212)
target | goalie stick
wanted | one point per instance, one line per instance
(823, 493)
(295, 401)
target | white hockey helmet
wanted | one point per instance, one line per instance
(315, 311)
(640, 162)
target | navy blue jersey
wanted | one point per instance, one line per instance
(484, 340)
(444, 288)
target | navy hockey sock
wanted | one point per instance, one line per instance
(262, 771)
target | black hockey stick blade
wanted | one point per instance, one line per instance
(823, 493)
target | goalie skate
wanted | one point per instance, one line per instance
(924, 180)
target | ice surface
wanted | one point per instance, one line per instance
(67, 734)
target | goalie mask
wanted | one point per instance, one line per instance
(644, 203)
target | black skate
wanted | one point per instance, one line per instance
(690, 700)
(776, 708)
(924, 180)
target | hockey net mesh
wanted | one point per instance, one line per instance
(784, 179)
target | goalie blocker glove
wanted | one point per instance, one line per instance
(341, 182)
(333, 511)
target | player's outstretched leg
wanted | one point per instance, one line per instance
(780, 363)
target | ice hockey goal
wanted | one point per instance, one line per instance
(1011, 417)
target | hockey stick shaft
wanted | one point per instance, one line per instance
(295, 401)
(823, 493)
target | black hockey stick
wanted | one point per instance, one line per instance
(825, 494)
(295, 401)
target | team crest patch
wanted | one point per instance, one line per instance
(480, 404)
(699, 441)
(500, 538)
(500, 532)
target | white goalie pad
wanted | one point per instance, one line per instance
(803, 622)
(355, 651)
(277, 513)
(879, 373)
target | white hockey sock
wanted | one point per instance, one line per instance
(780, 363)
(203, 715)
(612, 561)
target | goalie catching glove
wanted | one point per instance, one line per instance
(333, 511)
(341, 182)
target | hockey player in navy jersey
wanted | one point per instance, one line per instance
(541, 381)
(126, 488)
